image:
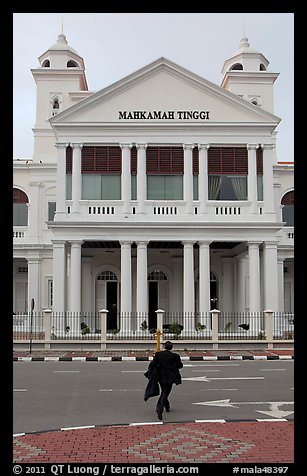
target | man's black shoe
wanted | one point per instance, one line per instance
(167, 409)
(160, 415)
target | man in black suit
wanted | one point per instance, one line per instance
(168, 364)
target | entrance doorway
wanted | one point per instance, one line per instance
(112, 305)
(107, 297)
(152, 304)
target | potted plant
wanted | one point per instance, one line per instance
(176, 328)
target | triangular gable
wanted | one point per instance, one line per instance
(163, 92)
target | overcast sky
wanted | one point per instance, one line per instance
(114, 45)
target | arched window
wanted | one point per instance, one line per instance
(46, 64)
(107, 276)
(157, 276)
(237, 66)
(20, 208)
(288, 208)
(262, 67)
(71, 64)
(55, 107)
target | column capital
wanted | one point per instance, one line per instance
(125, 243)
(252, 146)
(203, 146)
(268, 146)
(188, 146)
(141, 146)
(204, 243)
(142, 244)
(76, 242)
(76, 145)
(126, 145)
(254, 243)
(187, 243)
(61, 145)
(270, 244)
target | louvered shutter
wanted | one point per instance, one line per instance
(164, 160)
(133, 160)
(259, 160)
(69, 160)
(227, 161)
(195, 161)
(288, 199)
(102, 160)
(19, 196)
(152, 160)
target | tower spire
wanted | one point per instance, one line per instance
(62, 26)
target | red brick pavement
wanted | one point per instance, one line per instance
(229, 442)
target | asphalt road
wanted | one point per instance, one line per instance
(53, 395)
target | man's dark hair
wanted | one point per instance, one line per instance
(168, 345)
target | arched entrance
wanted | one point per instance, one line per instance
(157, 295)
(107, 296)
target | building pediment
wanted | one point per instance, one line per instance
(166, 93)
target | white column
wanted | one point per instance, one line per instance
(188, 177)
(34, 208)
(126, 177)
(240, 305)
(281, 284)
(76, 184)
(142, 286)
(61, 181)
(125, 285)
(228, 284)
(141, 179)
(59, 276)
(75, 276)
(87, 284)
(188, 286)
(204, 282)
(252, 177)
(268, 183)
(254, 276)
(270, 276)
(176, 285)
(203, 177)
(34, 283)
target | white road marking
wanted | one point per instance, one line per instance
(77, 427)
(271, 370)
(132, 371)
(205, 379)
(147, 423)
(219, 389)
(273, 412)
(206, 370)
(211, 365)
(19, 390)
(120, 390)
(66, 371)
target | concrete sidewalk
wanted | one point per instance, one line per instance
(201, 442)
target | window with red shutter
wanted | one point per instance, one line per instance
(103, 160)
(227, 173)
(288, 208)
(164, 160)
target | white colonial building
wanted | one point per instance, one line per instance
(162, 190)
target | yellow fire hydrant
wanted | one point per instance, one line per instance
(158, 334)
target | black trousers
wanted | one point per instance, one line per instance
(163, 402)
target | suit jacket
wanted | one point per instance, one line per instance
(152, 388)
(168, 364)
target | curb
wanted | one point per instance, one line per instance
(147, 359)
(124, 425)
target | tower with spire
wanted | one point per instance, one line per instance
(60, 82)
(245, 73)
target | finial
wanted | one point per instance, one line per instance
(62, 26)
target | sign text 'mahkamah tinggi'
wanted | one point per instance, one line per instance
(181, 115)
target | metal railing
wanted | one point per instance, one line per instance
(102, 327)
